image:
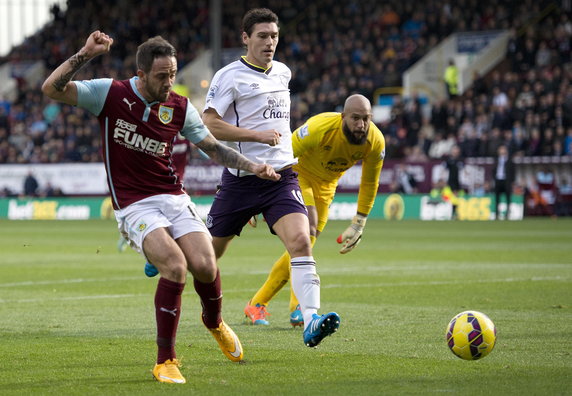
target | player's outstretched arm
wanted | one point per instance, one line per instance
(232, 159)
(351, 237)
(224, 131)
(58, 85)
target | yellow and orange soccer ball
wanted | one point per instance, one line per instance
(471, 335)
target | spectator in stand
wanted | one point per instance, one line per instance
(517, 142)
(441, 192)
(404, 182)
(504, 178)
(437, 149)
(568, 142)
(494, 141)
(412, 122)
(31, 185)
(388, 16)
(564, 199)
(451, 78)
(534, 142)
(470, 144)
(4, 119)
(547, 143)
(51, 191)
(416, 155)
(482, 125)
(439, 115)
(452, 125)
(7, 193)
(479, 84)
(500, 99)
(547, 191)
(557, 148)
(392, 76)
(391, 147)
(454, 164)
(543, 55)
(426, 135)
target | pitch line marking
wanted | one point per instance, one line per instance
(369, 269)
(454, 282)
(330, 286)
(67, 281)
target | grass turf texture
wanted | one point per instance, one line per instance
(77, 317)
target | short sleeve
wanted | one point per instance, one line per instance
(193, 129)
(306, 137)
(91, 94)
(221, 92)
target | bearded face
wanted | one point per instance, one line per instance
(356, 127)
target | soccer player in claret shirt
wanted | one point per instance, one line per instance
(179, 157)
(326, 146)
(248, 106)
(139, 120)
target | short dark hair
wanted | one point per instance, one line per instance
(257, 15)
(155, 47)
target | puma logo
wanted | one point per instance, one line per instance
(128, 104)
(172, 312)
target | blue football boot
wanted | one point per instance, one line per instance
(320, 327)
(150, 270)
(296, 318)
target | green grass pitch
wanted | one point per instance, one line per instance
(76, 316)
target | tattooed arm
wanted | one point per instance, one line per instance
(233, 159)
(58, 85)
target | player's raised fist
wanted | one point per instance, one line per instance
(97, 44)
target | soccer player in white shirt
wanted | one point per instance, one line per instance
(248, 106)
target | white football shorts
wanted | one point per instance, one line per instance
(175, 212)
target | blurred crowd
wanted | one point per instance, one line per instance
(334, 49)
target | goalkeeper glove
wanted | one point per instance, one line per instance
(352, 235)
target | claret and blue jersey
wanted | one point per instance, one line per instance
(138, 137)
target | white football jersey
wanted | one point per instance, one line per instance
(258, 99)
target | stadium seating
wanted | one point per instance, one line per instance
(334, 48)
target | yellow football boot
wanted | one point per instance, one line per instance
(168, 372)
(228, 342)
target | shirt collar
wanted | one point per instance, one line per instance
(255, 67)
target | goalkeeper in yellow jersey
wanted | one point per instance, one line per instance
(327, 145)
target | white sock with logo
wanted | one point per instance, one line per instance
(306, 286)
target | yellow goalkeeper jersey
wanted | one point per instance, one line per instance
(325, 154)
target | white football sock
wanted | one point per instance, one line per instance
(306, 285)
